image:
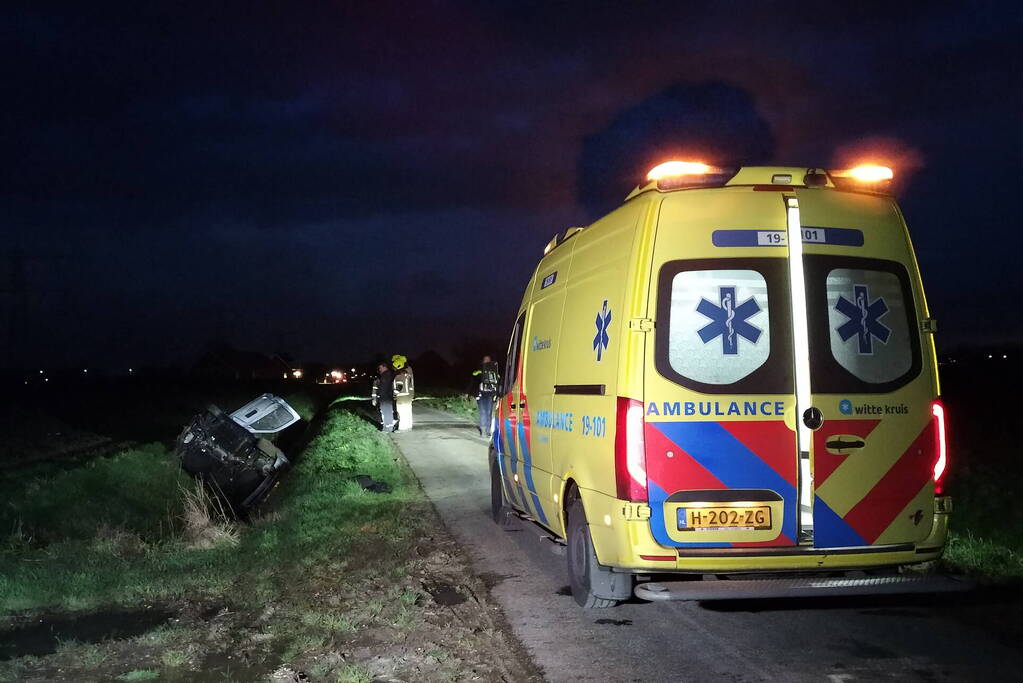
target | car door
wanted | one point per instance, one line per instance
(875, 449)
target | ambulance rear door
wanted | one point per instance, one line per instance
(872, 382)
(722, 465)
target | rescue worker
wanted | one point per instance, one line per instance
(404, 391)
(485, 386)
(383, 396)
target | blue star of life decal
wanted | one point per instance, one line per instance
(729, 321)
(601, 340)
(864, 319)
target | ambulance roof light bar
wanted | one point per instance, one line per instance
(869, 177)
(677, 174)
(866, 173)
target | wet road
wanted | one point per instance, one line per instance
(916, 638)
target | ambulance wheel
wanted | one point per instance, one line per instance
(593, 585)
(499, 509)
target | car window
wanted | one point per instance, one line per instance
(722, 325)
(720, 330)
(863, 333)
(266, 415)
(514, 353)
(868, 324)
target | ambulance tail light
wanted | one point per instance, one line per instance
(675, 175)
(941, 463)
(630, 450)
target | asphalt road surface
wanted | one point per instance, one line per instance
(914, 638)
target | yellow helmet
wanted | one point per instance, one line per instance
(398, 361)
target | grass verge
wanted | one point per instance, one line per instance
(332, 580)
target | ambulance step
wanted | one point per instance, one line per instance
(798, 587)
(555, 544)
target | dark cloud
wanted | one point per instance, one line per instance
(706, 121)
(326, 176)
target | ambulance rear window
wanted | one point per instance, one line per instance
(723, 325)
(863, 336)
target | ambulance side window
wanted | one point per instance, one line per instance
(514, 353)
(863, 325)
(722, 325)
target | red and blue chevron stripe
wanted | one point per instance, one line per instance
(721, 455)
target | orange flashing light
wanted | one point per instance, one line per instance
(868, 173)
(672, 169)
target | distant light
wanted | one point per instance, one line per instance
(40, 372)
(353, 369)
(297, 373)
(85, 370)
(46, 379)
(1004, 356)
(990, 356)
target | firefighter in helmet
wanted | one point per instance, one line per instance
(404, 391)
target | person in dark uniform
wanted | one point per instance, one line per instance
(486, 381)
(383, 396)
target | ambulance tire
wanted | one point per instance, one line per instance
(499, 509)
(594, 586)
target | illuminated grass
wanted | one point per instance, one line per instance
(111, 531)
(450, 402)
(972, 555)
(140, 675)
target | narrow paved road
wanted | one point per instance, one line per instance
(921, 638)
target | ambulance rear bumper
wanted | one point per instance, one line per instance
(798, 587)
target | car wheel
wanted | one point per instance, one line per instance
(583, 569)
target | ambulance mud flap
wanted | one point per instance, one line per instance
(799, 587)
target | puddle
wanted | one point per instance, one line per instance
(230, 665)
(615, 622)
(41, 635)
(444, 594)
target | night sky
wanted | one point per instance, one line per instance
(337, 179)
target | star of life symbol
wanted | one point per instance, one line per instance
(601, 340)
(729, 321)
(864, 319)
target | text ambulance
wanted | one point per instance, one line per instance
(731, 376)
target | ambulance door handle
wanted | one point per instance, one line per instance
(840, 444)
(813, 418)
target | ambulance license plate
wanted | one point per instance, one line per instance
(724, 518)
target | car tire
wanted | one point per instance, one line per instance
(500, 511)
(583, 567)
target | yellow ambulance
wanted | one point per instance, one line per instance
(727, 387)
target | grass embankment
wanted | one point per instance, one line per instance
(333, 580)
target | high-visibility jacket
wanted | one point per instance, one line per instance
(404, 384)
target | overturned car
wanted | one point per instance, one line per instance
(230, 454)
